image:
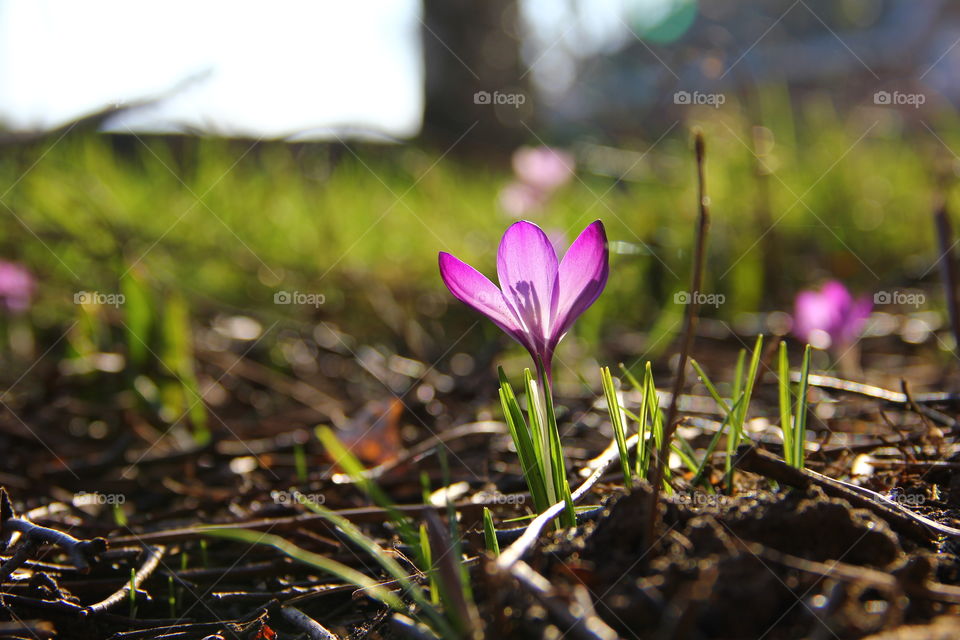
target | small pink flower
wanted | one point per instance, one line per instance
(543, 168)
(520, 199)
(830, 317)
(17, 286)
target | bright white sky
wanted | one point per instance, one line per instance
(299, 69)
(293, 68)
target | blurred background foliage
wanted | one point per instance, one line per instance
(231, 223)
(809, 177)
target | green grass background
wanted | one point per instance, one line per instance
(226, 226)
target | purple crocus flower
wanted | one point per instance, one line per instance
(16, 287)
(830, 316)
(539, 297)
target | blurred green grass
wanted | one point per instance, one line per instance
(227, 224)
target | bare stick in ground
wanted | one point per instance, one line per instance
(902, 520)
(948, 270)
(154, 554)
(584, 625)
(306, 624)
(510, 561)
(81, 552)
(689, 327)
(513, 554)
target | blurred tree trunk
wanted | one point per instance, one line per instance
(472, 47)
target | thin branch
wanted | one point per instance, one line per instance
(512, 554)
(837, 570)
(313, 629)
(22, 553)
(585, 625)
(900, 519)
(154, 554)
(917, 402)
(948, 270)
(589, 627)
(81, 552)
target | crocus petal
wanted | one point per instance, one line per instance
(836, 294)
(832, 313)
(582, 276)
(475, 290)
(813, 312)
(856, 318)
(527, 269)
(17, 286)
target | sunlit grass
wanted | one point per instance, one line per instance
(227, 226)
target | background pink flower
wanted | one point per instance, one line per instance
(830, 317)
(544, 168)
(520, 199)
(539, 172)
(17, 286)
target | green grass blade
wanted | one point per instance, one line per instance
(348, 574)
(381, 557)
(490, 533)
(738, 374)
(698, 478)
(783, 374)
(800, 420)
(178, 358)
(752, 371)
(531, 443)
(427, 558)
(711, 388)
(642, 459)
(132, 593)
(616, 422)
(300, 462)
(453, 537)
(642, 422)
(541, 435)
(353, 468)
(656, 421)
(640, 419)
(449, 568)
(743, 392)
(138, 316)
(631, 378)
(686, 453)
(530, 463)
